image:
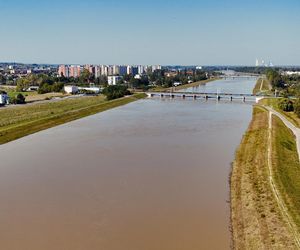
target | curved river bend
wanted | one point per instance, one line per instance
(151, 175)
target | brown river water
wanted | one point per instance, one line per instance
(151, 175)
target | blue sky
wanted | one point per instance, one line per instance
(186, 32)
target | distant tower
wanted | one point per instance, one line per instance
(257, 63)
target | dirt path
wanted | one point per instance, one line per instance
(261, 85)
(279, 199)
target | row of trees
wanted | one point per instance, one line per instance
(275, 79)
(160, 77)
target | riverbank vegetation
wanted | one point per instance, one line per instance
(262, 86)
(115, 91)
(285, 85)
(19, 121)
(257, 221)
(290, 114)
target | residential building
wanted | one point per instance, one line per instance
(74, 71)
(97, 70)
(122, 70)
(71, 89)
(104, 70)
(134, 70)
(63, 70)
(110, 70)
(129, 70)
(116, 70)
(113, 80)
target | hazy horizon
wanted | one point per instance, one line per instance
(189, 32)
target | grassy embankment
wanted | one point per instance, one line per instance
(185, 86)
(31, 96)
(286, 167)
(257, 221)
(19, 121)
(291, 116)
(262, 86)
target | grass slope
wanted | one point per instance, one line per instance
(256, 219)
(286, 167)
(262, 86)
(291, 116)
(20, 121)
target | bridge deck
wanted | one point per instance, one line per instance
(199, 94)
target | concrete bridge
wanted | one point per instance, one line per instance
(199, 95)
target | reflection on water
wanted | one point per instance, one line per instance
(149, 175)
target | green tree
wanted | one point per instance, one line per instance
(85, 76)
(116, 91)
(286, 105)
(18, 99)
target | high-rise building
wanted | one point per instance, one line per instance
(75, 71)
(97, 71)
(90, 68)
(104, 70)
(63, 70)
(110, 70)
(129, 70)
(141, 69)
(116, 70)
(122, 70)
(134, 70)
(156, 67)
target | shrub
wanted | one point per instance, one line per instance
(116, 91)
(19, 99)
(286, 105)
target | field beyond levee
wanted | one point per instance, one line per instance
(266, 164)
(19, 121)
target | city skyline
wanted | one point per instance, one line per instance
(141, 32)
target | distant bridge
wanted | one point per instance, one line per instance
(239, 77)
(205, 95)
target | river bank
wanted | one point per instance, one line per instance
(20, 121)
(265, 186)
(262, 86)
(185, 86)
(24, 120)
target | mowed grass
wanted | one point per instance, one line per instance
(19, 121)
(286, 167)
(257, 222)
(262, 86)
(273, 102)
(31, 96)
